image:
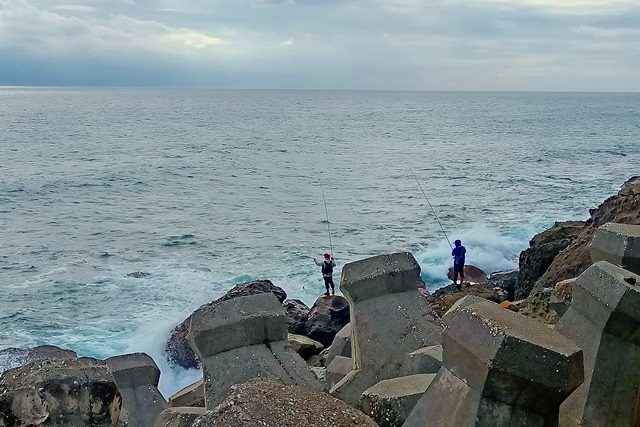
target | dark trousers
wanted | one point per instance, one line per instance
(329, 281)
(458, 269)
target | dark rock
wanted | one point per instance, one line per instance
(138, 274)
(623, 208)
(254, 288)
(73, 392)
(472, 274)
(177, 348)
(505, 280)
(16, 357)
(298, 315)
(442, 299)
(543, 248)
(328, 315)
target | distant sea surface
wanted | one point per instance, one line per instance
(204, 189)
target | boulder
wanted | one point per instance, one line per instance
(543, 249)
(269, 403)
(505, 280)
(328, 315)
(298, 315)
(622, 208)
(442, 299)
(304, 346)
(178, 349)
(71, 392)
(472, 274)
(16, 357)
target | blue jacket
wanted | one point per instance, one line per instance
(458, 253)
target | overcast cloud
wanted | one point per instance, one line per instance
(560, 45)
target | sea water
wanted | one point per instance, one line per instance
(204, 189)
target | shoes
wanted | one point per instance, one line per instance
(333, 291)
(326, 293)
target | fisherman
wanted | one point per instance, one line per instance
(327, 272)
(458, 254)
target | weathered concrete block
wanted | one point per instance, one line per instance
(237, 322)
(341, 344)
(132, 370)
(618, 244)
(499, 368)
(338, 369)
(390, 401)
(604, 320)
(380, 275)
(191, 395)
(137, 378)
(426, 360)
(389, 319)
(245, 338)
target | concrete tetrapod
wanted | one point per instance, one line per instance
(619, 244)
(499, 369)
(137, 376)
(245, 338)
(389, 320)
(604, 319)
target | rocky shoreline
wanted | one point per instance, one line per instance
(388, 352)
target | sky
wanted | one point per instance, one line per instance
(477, 45)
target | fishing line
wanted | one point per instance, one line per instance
(432, 210)
(327, 212)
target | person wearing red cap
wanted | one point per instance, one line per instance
(327, 272)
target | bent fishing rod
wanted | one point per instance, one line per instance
(432, 210)
(327, 212)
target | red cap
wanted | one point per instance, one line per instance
(327, 256)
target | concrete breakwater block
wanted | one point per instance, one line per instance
(618, 244)
(499, 369)
(245, 338)
(191, 395)
(341, 344)
(604, 319)
(389, 402)
(137, 377)
(238, 322)
(389, 320)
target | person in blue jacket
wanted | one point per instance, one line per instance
(458, 254)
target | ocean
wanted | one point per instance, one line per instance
(204, 189)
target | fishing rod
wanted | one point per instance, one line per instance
(432, 210)
(327, 212)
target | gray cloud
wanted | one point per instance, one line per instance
(347, 44)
